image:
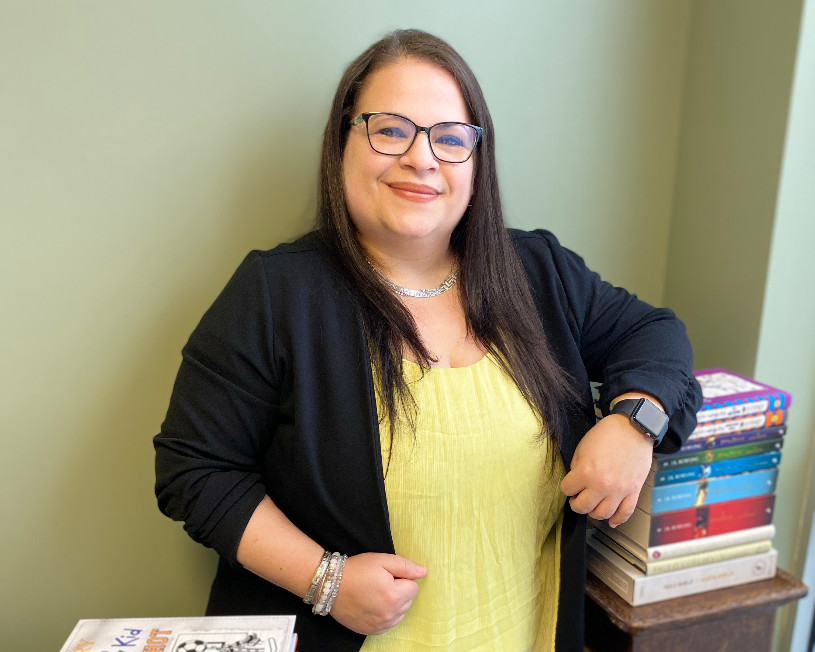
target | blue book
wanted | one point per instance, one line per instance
(707, 491)
(715, 469)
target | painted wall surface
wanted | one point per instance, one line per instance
(145, 147)
(786, 346)
(737, 85)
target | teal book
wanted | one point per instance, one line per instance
(715, 469)
(707, 491)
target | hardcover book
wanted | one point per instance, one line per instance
(637, 588)
(728, 394)
(707, 491)
(714, 469)
(698, 522)
(243, 633)
(687, 547)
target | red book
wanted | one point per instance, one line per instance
(696, 522)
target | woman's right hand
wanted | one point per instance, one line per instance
(376, 591)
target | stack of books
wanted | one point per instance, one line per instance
(704, 516)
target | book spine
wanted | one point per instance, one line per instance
(743, 407)
(707, 491)
(716, 469)
(707, 557)
(682, 459)
(720, 518)
(698, 522)
(708, 577)
(739, 424)
(689, 546)
(608, 572)
(692, 546)
(722, 441)
(638, 589)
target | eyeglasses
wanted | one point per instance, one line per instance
(392, 134)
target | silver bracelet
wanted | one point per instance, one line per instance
(326, 586)
(318, 576)
(336, 587)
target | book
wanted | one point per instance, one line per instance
(637, 588)
(698, 522)
(739, 424)
(686, 561)
(714, 469)
(709, 456)
(727, 394)
(244, 633)
(687, 547)
(732, 439)
(707, 491)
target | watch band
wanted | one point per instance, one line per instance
(645, 416)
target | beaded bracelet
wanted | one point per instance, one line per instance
(336, 584)
(319, 574)
(327, 586)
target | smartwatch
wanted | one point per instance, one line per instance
(645, 416)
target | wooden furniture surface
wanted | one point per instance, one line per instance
(740, 618)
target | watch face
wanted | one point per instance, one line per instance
(652, 419)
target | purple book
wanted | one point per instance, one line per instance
(728, 395)
(735, 439)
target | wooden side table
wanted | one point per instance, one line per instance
(738, 618)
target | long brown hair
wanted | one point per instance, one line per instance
(499, 310)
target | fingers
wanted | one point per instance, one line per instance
(403, 568)
(624, 511)
(571, 485)
(376, 592)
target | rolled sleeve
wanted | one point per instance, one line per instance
(223, 412)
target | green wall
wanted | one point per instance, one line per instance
(146, 146)
(786, 343)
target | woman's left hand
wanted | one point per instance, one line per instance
(608, 469)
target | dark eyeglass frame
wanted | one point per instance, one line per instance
(364, 117)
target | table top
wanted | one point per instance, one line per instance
(763, 595)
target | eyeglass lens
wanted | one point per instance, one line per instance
(452, 142)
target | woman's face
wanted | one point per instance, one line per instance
(413, 198)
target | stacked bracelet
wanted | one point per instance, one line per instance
(329, 585)
(317, 578)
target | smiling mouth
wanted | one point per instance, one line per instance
(415, 192)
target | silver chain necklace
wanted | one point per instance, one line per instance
(446, 284)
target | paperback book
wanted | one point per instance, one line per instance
(707, 491)
(714, 442)
(697, 522)
(714, 469)
(739, 424)
(710, 456)
(637, 588)
(227, 633)
(727, 394)
(689, 546)
(686, 561)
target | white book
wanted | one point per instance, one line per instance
(255, 633)
(637, 588)
(678, 563)
(688, 547)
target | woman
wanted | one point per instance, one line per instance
(328, 404)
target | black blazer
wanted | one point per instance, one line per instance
(275, 396)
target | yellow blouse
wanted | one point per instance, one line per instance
(472, 497)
